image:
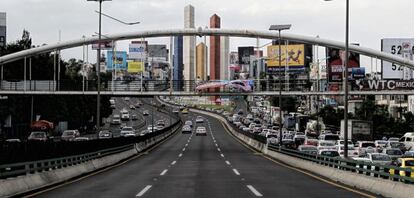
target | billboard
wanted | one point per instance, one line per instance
(137, 51)
(398, 47)
(244, 54)
(335, 64)
(158, 52)
(2, 29)
(105, 45)
(377, 85)
(294, 58)
(117, 61)
(135, 67)
(358, 73)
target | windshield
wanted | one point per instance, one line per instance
(394, 152)
(38, 134)
(326, 144)
(127, 129)
(367, 144)
(331, 137)
(330, 153)
(381, 158)
(395, 144)
(68, 133)
(409, 163)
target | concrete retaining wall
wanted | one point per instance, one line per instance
(383, 187)
(25, 183)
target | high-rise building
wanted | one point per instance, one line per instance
(201, 61)
(189, 45)
(2, 29)
(215, 49)
(178, 63)
(224, 57)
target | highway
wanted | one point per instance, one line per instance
(216, 165)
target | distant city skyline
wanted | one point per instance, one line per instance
(311, 18)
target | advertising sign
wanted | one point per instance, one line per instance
(117, 61)
(398, 47)
(105, 45)
(377, 85)
(292, 55)
(335, 64)
(137, 51)
(244, 55)
(135, 67)
(358, 73)
(158, 52)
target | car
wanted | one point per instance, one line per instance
(328, 153)
(329, 137)
(81, 139)
(393, 139)
(201, 131)
(145, 112)
(352, 152)
(134, 117)
(240, 112)
(137, 105)
(38, 136)
(127, 132)
(398, 145)
(342, 143)
(105, 134)
(131, 106)
(69, 135)
(404, 163)
(124, 115)
(189, 123)
(116, 119)
(324, 145)
(126, 98)
(308, 149)
(184, 111)
(199, 119)
(186, 129)
(272, 138)
(175, 111)
(112, 106)
(379, 158)
(161, 123)
(311, 141)
(299, 138)
(408, 154)
(380, 145)
(408, 140)
(152, 128)
(365, 147)
(144, 132)
(394, 153)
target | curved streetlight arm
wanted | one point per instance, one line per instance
(115, 19)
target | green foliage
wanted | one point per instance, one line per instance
(77, 110)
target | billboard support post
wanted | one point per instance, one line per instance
(345, 81)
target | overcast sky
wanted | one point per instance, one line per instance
(370, 20)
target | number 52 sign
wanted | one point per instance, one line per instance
(398, 47)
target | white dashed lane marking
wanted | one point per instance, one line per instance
(143, 191)
(218, 149)
(236, 171)
(254, 191)
(222, 155)
(163, 172)
(180, 155)
(172, 163)
(227, 162)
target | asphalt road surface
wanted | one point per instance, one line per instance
(186, 165)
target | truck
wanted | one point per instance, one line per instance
(314, 128)
(358, 130)
(43, 125)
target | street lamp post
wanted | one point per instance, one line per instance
(98, 67)
(345, 78)
(279, 28)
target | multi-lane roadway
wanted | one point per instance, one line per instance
(216, 165)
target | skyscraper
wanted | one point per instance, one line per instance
(201, 61)
(2, 29)
(178, 63)
(189, 45)
(224, 57)
(215, 49)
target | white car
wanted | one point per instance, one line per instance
(145, 112)
(189, 123)
(116, 119)
(124, 115)
(199, 119)
(324, 145)
(201, 131)
(186, 129)
(127, 132)
(152, 128)
(352, 152)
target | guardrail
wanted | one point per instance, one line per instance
(15, 169)
(389, 172)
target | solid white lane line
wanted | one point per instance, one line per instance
(163, 172)
(172, 163)
(227, 162)
(221, 155)
(180, 155)
(143, 191)
(254, 191)
(235, 171)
